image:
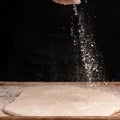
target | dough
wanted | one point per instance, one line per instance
(63, 100)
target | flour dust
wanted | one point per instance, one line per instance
(88, 60)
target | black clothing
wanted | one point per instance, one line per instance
(42, 43)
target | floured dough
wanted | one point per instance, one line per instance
(63, 100)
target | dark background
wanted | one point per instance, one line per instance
(107, 32)
(7, 29)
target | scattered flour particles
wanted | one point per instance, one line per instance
(68, 100)
(88, 59)
(63, 100)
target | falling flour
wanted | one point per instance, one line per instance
(88, 60)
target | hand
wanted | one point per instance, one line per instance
(67, 2)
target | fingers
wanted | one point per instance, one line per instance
(67, 2)
(57, 1)
(76, 1)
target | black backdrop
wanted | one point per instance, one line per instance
(7, 27)
(107, 29)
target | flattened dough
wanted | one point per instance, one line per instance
(63, 100)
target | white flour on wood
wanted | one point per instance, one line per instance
(63, 100)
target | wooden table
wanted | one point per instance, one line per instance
(110, 85)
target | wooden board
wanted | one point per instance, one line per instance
(112, 85)
(60, 118)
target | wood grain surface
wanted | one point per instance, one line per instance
(111, 85)
(60, 118)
